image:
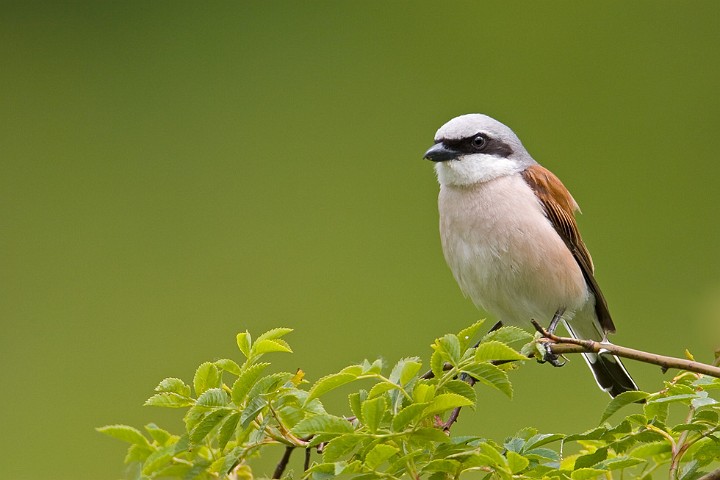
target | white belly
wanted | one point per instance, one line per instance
(505, 254)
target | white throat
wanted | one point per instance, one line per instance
(476, 168)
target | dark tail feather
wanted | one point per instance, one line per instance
(610, 374)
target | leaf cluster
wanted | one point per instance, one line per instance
(398, 424)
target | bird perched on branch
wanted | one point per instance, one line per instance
(510, 237)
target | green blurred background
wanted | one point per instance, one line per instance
(173, 173)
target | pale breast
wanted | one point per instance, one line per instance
(505, 254)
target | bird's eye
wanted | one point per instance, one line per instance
(478, 142)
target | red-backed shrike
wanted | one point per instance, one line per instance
(510, 237)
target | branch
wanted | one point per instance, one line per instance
(564, 345)
(714, 475)
(282, 464)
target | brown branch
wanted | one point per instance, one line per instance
(565, 345)
(714, 475)
(282, 464)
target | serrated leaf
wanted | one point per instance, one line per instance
(516, 462)
(490, 375)
(246, 381)
(437, 364)
(379, 454)
(275, 333)
(168, 400)
(173, 385)
(244, 340)
(450, 345)
(496, 351)
(591, 459)
(206, 376)
(330, 382)
(125, 433)
(207, 424)
(539, 440)
(587, 474)
(507, 335)
(227, 429)
(355, 400)
(322, 424)
(269, 384)
(444, 466)
(407, 415)
(618, 463)
(430, 434)
(269, 346)
(423, 392)
(461, 388)
(444, 402)
(625, 398)
(404, 370)
(215, 397)
(228, 365)
(466, 335)
(372, 412)
(380, 388)
(339, 447)
(158, 434)
(252, 410)
(158, 460)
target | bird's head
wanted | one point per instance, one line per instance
(475, 148)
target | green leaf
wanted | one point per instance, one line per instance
(517, 462)
(444, 402)
(246, 381)
(450, 345)
(207, 424)
(339, 447)
(591, 458)
(228, 365)
(430, 434)
(494, 350)
(373, 411)
(215, 397)
(587, 473)
(157, 460)
(174, 385)
(207, 376)
(404, 370)
(168, 400)
(490, 375)
(252, 410)
(125, 433)
(507, 335)
(461, 388)
(274, 334)
(625, 398)
(158, 434)
(321, 424)
(269, 346)
(541, 439)
(380, 388)
(443, 465)
(244, 340)
(423, 392)
(437, 363)
(330, 382)
(407, 415)
(466, 335)
(379, 454)
(356, 400)
(227, 429)
(269, 383)
(619, 463)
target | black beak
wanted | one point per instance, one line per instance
(440, 153)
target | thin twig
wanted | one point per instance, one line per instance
(565, 345)
(714, 475)
(282, 464)
(306, 465)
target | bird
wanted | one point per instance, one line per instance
(510, 237)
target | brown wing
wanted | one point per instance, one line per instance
(560, 209)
